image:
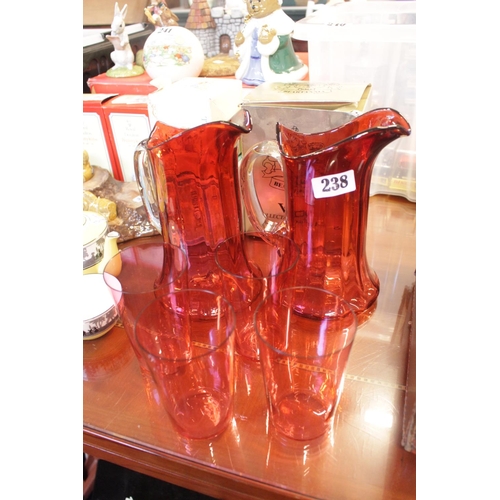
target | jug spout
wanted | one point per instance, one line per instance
(382, 126)
(239, 123)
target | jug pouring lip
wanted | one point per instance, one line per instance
(388, 119)
(241, 122)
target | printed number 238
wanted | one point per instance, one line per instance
(334, 183)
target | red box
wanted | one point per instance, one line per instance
(132, 85)
(97, 140)
(127, 119)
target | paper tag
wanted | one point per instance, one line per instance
(334, 185)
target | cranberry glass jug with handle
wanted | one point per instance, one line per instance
(188, 180)
(327, 179)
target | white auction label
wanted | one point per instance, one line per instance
(334, 185)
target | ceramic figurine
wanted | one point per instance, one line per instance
(122, 56)
(171, 53)
(88, 171)
(101, 206)
(160, 15)
(265, 47)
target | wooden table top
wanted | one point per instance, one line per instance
(361, 458)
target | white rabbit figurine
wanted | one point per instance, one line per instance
(122, 56)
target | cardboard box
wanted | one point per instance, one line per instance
(191, 101)
(304, 106)
(101, 12)
(137, 85)
(343, 97)
(128, 122)
(97, 140)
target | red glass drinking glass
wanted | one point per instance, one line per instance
(191, 358)
(305, 337)
(254, 265)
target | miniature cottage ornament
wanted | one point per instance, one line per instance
(202, 24)
(216, 27)
(265, 47)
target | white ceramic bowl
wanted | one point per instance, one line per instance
(99, 312)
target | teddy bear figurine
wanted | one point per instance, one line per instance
(264, 46)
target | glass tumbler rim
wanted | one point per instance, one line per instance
(227, 338)
(280, 352)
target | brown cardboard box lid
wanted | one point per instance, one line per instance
(101, 12)
(305, 94)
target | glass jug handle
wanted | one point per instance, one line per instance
(263, 187)
(145, 181)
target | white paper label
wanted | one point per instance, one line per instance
(334, 185)
(94, 141)
(128, 130)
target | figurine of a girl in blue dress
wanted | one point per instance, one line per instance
(264, 46)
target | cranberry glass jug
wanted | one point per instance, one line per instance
(327, 179)
(188, 180)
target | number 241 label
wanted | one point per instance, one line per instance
(334, 185)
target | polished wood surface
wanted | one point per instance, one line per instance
(362, 456)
